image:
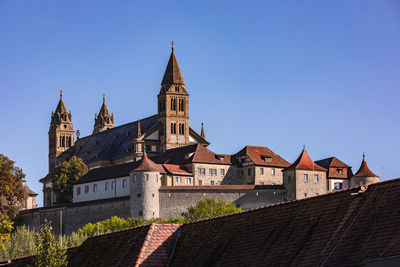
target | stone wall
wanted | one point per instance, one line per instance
(173, 202)
(75, 215)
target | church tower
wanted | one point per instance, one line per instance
(173, 107)
(104, 120)
(61, 132)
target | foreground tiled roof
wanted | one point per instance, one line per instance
(333, 230)
(345, 228)
(259, 154)
(304, 162)
(364, 171)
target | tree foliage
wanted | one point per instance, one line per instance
(64, 176)
(109, 225)
(210, 208)
(12, 190)
(5, 228)
(49, 252)
(21, 243)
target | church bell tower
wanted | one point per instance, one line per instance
(61, 132)
(173, 107)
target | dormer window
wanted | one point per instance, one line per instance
(266, 159)
(340, 171)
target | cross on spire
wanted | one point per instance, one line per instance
(173, 45)
(104, 98)
(61, 91)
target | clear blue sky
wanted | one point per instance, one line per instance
(274, 73)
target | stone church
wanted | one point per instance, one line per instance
(158, 166)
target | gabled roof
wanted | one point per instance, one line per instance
(304, 162)
(332, 162)
(108, 172)
(260, 155)
(110, 144)
(175, 169)
(147, 164)
(172, 73)
(29, 191)
(364, 171)
(196, 153)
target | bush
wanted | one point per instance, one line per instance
(21, 243)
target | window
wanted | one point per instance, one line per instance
(86, 189)
(203, 171)
(305, 194)
(268, 159)
(113, 185)
(188, 180)
(222, 172)
(305, 177)
(153, 148)
(261, 183)
(200, 182)
(219, 183)
(95, 188)
(134, 178)
(173, 103)
(273, 171)
(178, 180)
(360, 183)
(124, 183)
(181, 105)
(215, 172)
(78, 190)
(212, 182)
(249, 171)
(106, 186)
(210, 172)
(173, 128)
(315, 177)
(199, 171)
(338, 186)
(181, 128)
(340, 171)
(261, 171)
(146, 177)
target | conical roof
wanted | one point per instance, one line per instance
(364, 171)
(304, 162)
(104, 110)
(172, 73)
(148, 165)
(61, 108)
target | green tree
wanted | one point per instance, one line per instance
(210, 208)
(64, 176)
(109, 225)
(12, 190)
(20, 244)
(49, 252)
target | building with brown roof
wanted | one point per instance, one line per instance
(338, 175)
(353, 227)
(304, 178)
(364, 176)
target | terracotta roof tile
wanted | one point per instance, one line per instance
(304, 162)
(364, 171)
(147, 164)
(175, 169)
(260, 155)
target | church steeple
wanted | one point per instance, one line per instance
(173, 107)
(104, 120)
(61, 132)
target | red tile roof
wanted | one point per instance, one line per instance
(304, 162)
(258, 155)
(147, 164)
(336, 229)
(175, 169)
(332, 164)
(158, 245)
(364, 171)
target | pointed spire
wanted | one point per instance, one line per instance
(172, 73)
(202, 131)
(61, 108)
(148, 165)
(103, 120)
(139, 129)
(364, 171)
(304, 162)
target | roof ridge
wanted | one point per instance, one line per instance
(294, 201)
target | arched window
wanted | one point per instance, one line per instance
(60, 142)
(173, 128)
(63, 141)
(181, 128)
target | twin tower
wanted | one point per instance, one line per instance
(173, 116)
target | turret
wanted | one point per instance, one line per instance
(61, 132)
(364, 176)
(144, 189)
(103, 121)
(173, 107)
